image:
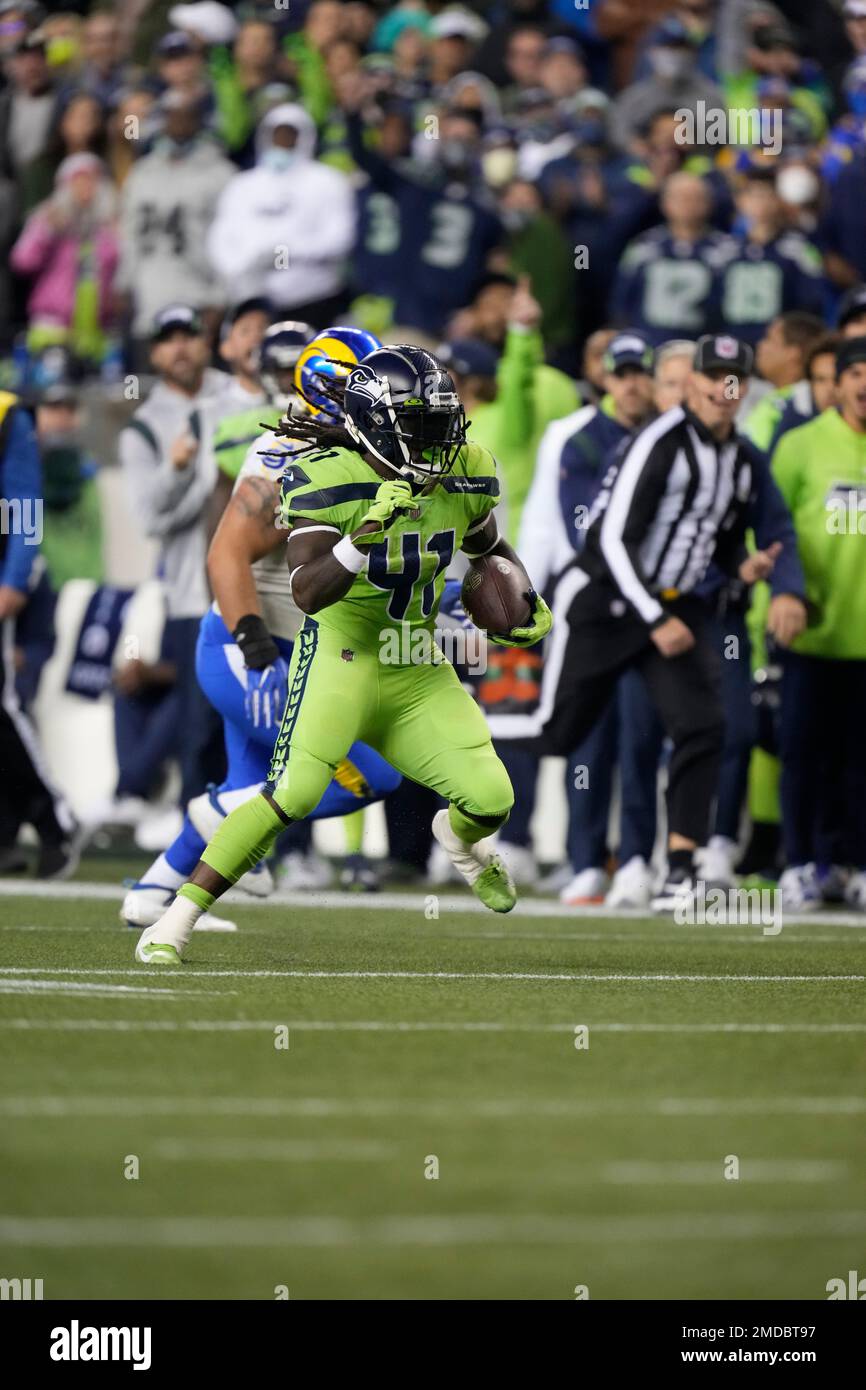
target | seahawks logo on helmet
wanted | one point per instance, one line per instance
(402, 406)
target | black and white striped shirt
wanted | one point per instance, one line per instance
(672, 502)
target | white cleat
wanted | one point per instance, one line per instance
(155, 832)
(855, 890)
(589, 886)
(555, 880)
(304, 873)
(206, 817)
(143, 907)
(715, 862)
(149, 950)
(258, 882)
(799, 888)
(632, 885)
(121, 811)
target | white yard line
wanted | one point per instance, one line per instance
(699, 937)
(403, 902)
(633, 1173)
(326, 1107)
(103, 991)
(538, 977)
(268, 1150)
(187, 1232)
(656, 938)
(131, 1025)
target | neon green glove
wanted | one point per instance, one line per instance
(541, 621)
(393, 499)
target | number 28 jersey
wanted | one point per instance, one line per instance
(403, 584)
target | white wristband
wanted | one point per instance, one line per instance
(349, 556)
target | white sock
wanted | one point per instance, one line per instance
(175, 926)
(162, 873)
(450, 840)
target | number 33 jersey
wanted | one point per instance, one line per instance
(403, 584)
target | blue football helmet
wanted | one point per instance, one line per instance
(402, 405)
(325, 364)
(277, 358)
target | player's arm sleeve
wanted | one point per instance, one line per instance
(772, 522)
(482, 533)
(786, 468)
(21, 479)
(164, 499)
(321, 502)
(515, 378)
(639, 485)
(380, 172)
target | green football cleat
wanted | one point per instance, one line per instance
(157, 953)
(495, 887)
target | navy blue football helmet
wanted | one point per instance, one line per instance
(277, 358)
(402, 405)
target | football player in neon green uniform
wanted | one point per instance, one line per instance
(375, 515)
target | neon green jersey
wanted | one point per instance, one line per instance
(820, 469)
(403, 584)
(235, 433)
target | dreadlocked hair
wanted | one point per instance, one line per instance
(314, 434)
(316, 431)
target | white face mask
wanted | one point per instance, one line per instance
(798, 185)
(278, 159)
(499, 167)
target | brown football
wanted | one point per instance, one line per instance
(493, 594)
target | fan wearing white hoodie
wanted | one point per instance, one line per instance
(284, 229)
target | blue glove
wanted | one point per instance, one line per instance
(265, 699)
(451, 606)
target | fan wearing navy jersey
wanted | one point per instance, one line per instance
(676, 500)
(771, 269)
(425, 234)
(668, 280)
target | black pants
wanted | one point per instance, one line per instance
(592, 643)
(26, 794)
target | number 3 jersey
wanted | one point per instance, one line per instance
(402, 587)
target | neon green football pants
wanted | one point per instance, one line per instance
(418, 717)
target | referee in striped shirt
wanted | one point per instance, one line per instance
(676, 498)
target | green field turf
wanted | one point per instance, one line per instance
(412, 1037)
